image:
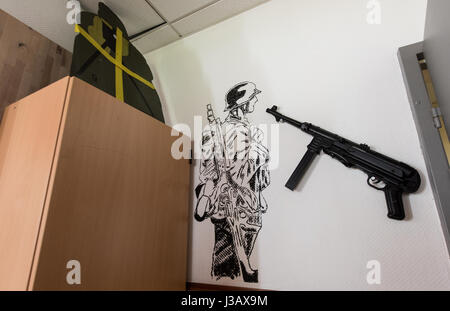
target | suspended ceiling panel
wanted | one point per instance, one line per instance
(172, 10)
(189, 16)
(213, 14)
(157, 38)
(137, 15)
(175, 18)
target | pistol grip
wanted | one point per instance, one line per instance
(394, 203)
(301, 169)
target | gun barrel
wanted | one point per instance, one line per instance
(279, 117)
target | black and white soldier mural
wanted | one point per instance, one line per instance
(233, 175)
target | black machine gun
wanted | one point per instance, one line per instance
(385, 174)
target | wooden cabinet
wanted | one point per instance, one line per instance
(85, 177)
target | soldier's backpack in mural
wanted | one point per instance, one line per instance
(104, 57)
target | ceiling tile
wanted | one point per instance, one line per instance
(156, 39)
(174, 9)
(137, 15)
(213, 14)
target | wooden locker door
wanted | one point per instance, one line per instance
(119, 201)
(28, 136)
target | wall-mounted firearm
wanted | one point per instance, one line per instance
(385, 174)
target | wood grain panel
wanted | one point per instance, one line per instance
(28, 61)
(119, 203)
(27, 146)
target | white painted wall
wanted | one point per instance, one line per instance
(320, 62)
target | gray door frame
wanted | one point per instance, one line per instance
(432, 149)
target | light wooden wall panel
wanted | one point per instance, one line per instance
(28, 61)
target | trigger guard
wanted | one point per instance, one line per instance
(377, 182)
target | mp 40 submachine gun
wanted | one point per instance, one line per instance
(385, 174)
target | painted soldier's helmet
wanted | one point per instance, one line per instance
(240, 95)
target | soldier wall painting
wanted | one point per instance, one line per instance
(233, 175)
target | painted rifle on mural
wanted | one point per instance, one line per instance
(233, 174)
